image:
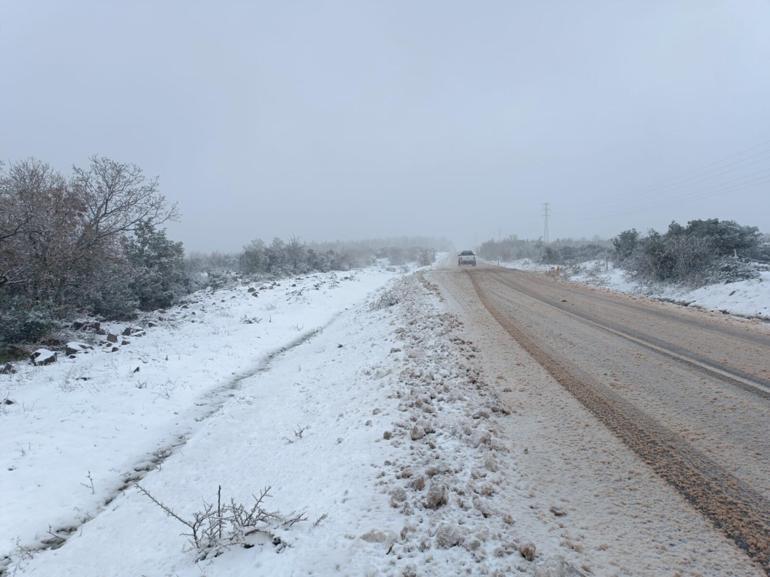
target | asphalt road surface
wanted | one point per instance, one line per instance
(687, 391)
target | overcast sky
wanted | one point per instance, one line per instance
(342, 120)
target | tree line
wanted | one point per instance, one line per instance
(558, 252)
(93, 242)
(700, 252)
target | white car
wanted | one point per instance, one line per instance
(466, 257)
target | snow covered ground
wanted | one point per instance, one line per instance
(357, 399)
(73, 434)
(749, 298)
(377, 428)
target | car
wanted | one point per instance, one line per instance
(466, 257)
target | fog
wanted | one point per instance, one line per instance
(346, 120)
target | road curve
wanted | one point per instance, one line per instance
(690, 394)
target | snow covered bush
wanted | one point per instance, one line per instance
(112, 292)
(88, 243)
(386, 299)
(511, 248)
(289, 258)
(220, 525)
(731, 269)
(21, 321)
(702, 252)
(158, 264)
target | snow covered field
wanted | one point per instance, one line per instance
(749, 298)
(75, 433)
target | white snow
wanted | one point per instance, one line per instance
(328, 469)
(80, 428)
(749, 298)
(43, 356)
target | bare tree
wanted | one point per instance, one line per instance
(117, 197)
(38, 223)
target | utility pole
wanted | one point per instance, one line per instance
(546, 214)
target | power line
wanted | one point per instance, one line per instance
(546, 214)
(742, 170)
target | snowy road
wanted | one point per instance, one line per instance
(689, 392)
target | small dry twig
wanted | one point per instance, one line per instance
(90, 484)
(214, 528)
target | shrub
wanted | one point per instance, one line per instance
(625, 244)
(158, 264)
(704, 251)
(22, 321)
(223, 524)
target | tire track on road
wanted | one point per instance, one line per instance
(732, 505)
(738, 378)
(648, 308)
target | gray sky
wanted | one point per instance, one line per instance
(342, 120)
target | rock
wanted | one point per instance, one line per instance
(409, 571)
(112, 338)
(448, 536)
(7, 369)
(75, 347)
(558, 511)
(438, 495)
(417, 433)
(482, 507)
(375, 536)
(397, 496)
(43, 357)
(87, 326)
(387, 435)
(528, 551)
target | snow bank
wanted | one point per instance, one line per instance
(749, 298)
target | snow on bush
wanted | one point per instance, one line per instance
(220, 525)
